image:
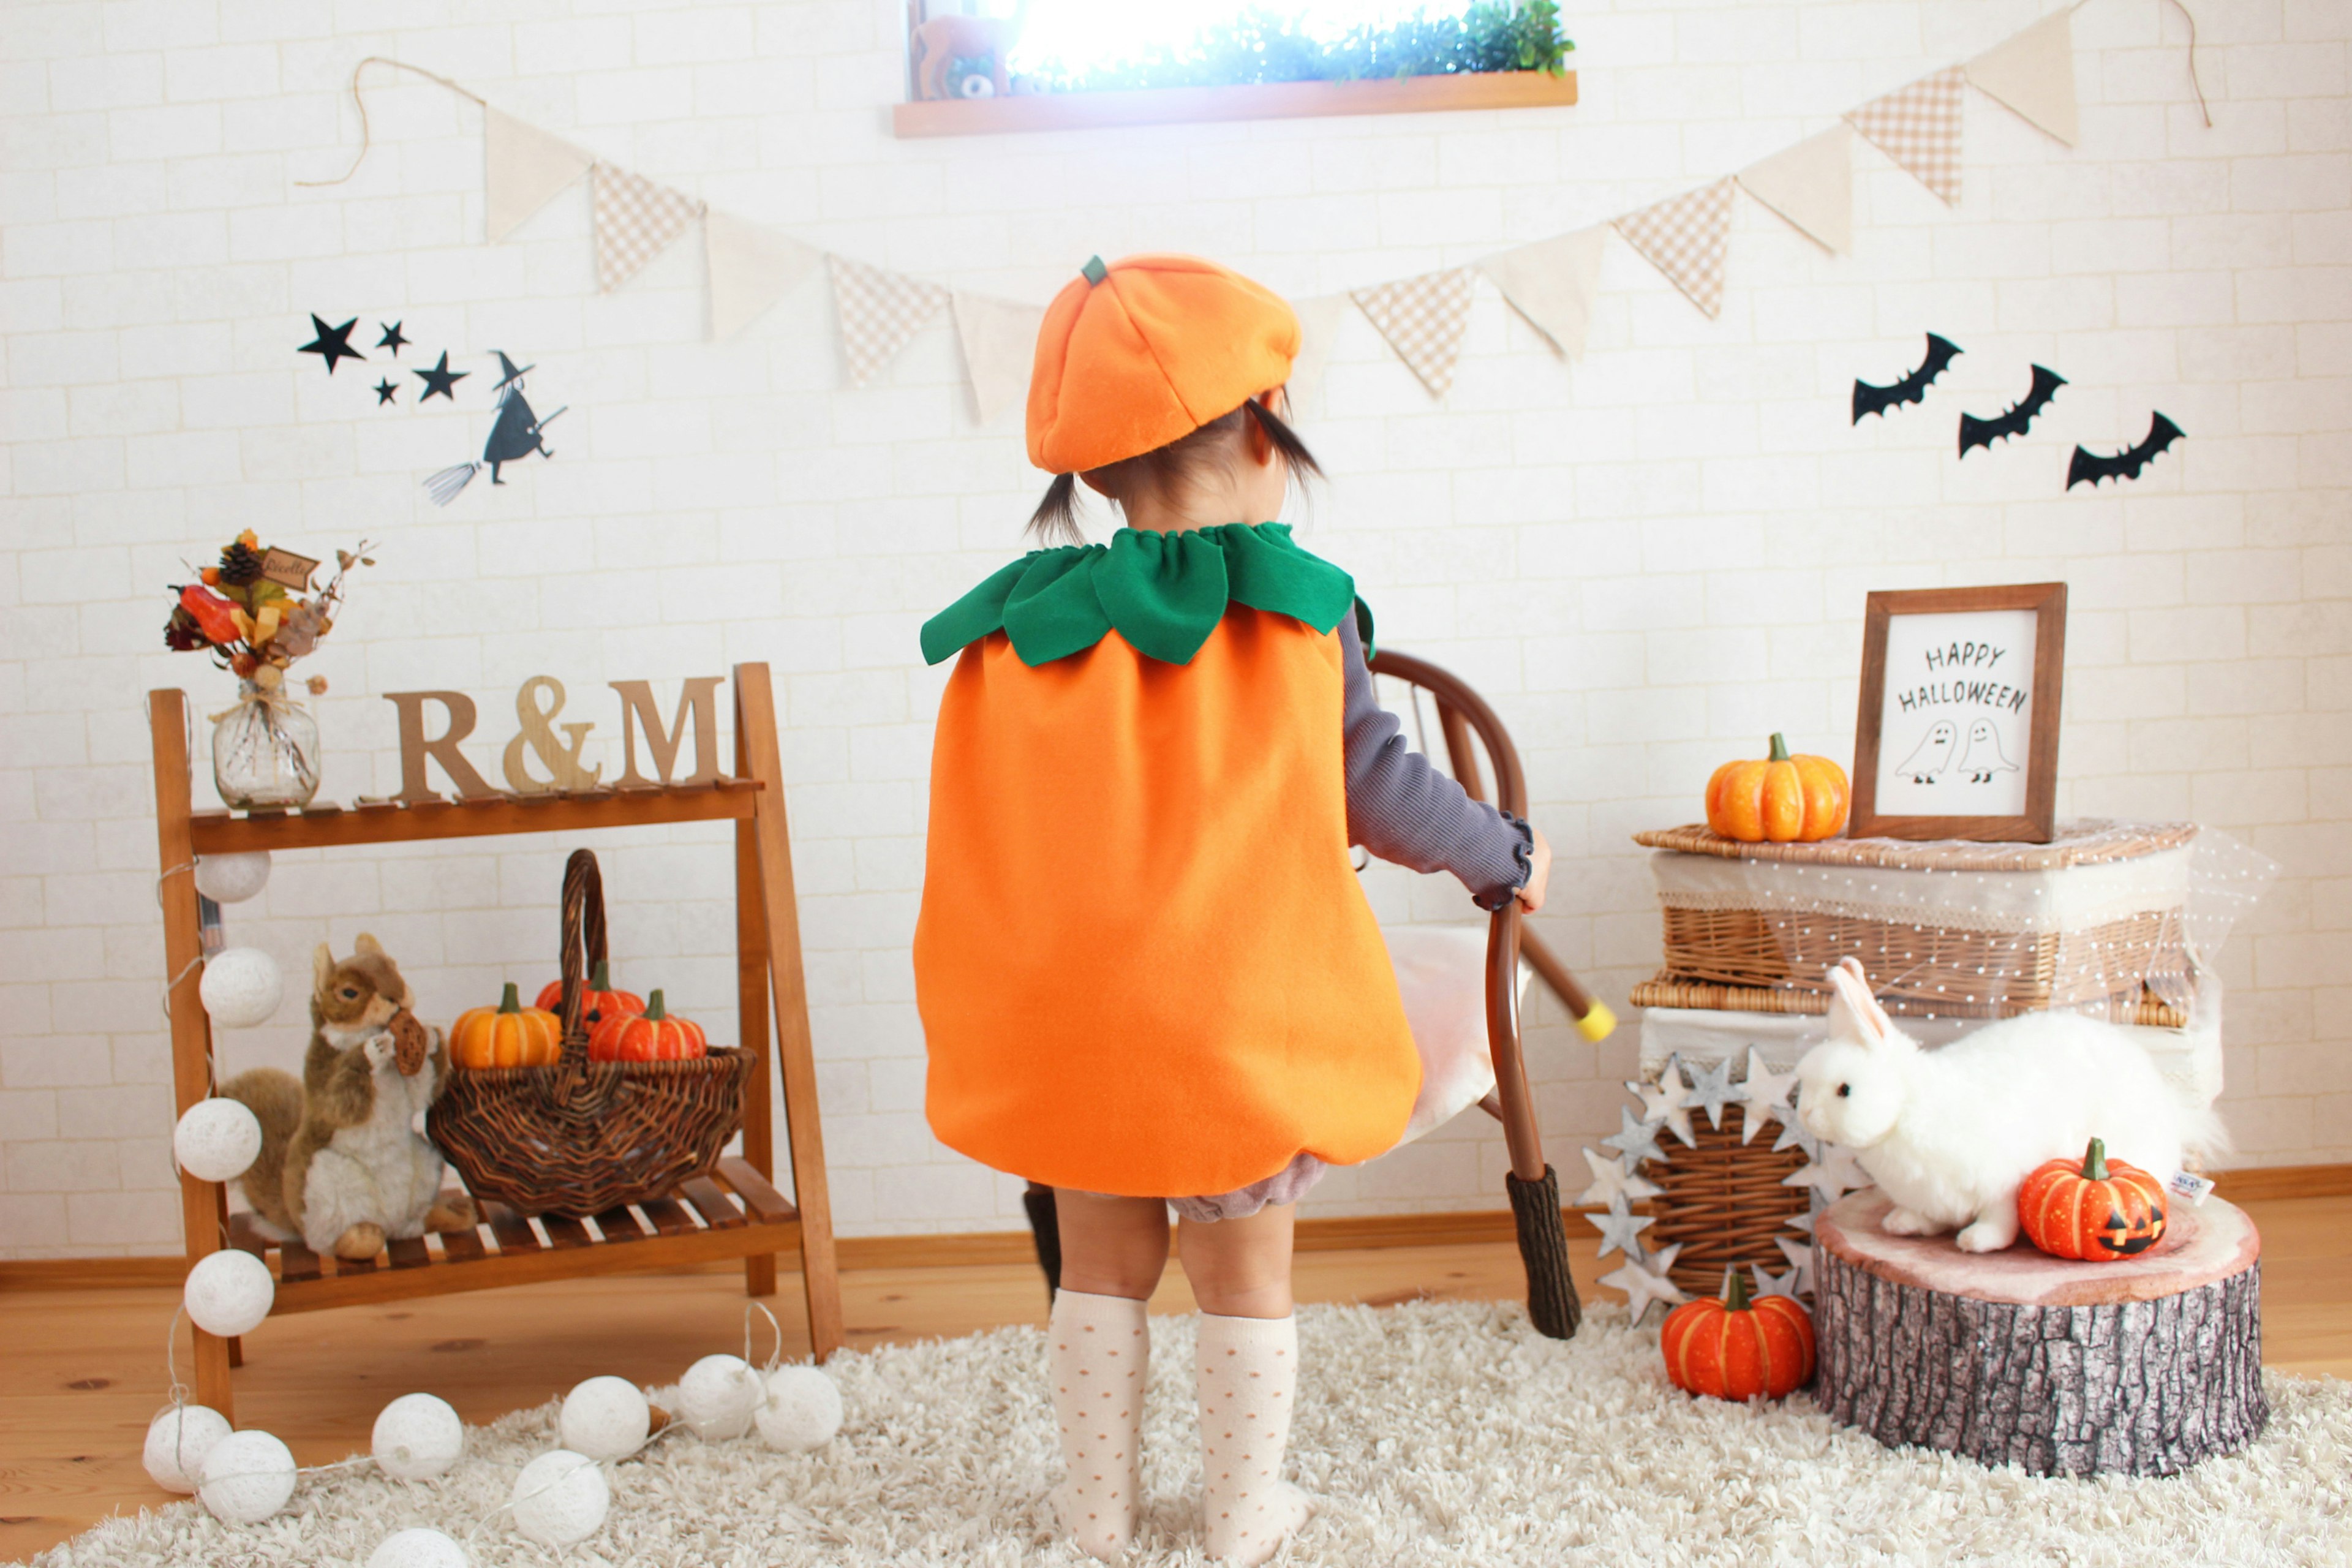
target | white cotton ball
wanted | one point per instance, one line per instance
(801, 1410)
(217, 1141)
(417, 1438)
(241, 987)
(417, 1549)
(229, 1292)
(177, 1442)
(232, 879)
(248, 1477)
(560, 1498)
(604, 1418)
(717, 1395)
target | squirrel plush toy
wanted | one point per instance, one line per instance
(342, 1164)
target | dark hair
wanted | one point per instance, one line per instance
(1166, 469)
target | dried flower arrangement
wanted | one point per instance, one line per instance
(249, 613)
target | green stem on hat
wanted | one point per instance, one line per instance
(511, 1001)
(653, 1013)
(2095, 1161)
(1735, 1291)
(1779, 747)
(1095, 270)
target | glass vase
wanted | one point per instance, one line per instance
(264, 752)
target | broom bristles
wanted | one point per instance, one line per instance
(443, 486)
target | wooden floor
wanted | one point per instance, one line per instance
(82, 1370)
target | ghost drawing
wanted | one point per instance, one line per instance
(1983, 757)
(1932, 754)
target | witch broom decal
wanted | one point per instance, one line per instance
(518, 433)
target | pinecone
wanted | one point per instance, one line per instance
(240, 564)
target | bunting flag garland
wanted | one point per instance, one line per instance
(878, 311)
(749, 268)
(2033, 74)
(1423, 320)
(523, 168)
(1686, 237)
(999, 346)
(1918, 126)
(635, 221)
(1551, 284)
(1318, 326)
(1811, 185)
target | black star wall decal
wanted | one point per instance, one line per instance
(392, 339)
(441, 379)
(383, 391)
(335, 343)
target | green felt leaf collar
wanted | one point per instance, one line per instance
(1164, 592)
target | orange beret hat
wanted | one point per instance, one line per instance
(1146, 350)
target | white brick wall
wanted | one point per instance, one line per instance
(1648, 559)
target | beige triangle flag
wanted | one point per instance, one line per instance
(635, 221)
(2034, 73)
(1811, 185)
(1424, 318)
(999, 347)
(1918, 126)
(1552, 283)
(878, 312)
(749, 268)
(524, 167)
(1687, 238)
(1318, 324)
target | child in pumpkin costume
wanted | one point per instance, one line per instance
(1147, 973)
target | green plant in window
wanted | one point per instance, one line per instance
(1261, 45)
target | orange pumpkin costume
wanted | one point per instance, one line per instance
(1144, 964)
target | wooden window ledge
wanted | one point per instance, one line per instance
(1248, 100)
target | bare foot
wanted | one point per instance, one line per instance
(360, 1243)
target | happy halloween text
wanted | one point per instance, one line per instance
(1963, 656)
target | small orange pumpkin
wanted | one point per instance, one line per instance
(652, 1036)
(2094, 1209)
(1734, 1348)
(506, 1035)
(1782, 799)
(597, 1003)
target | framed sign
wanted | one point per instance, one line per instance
(1957, 735)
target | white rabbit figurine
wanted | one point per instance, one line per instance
(1949, 1134)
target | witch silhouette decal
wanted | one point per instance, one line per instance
(517, 433)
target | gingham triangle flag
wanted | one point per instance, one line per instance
(1686, 237)
(1918, 126)
(2034, 73)
(1423, 320)
(635, 221)
(879, 313)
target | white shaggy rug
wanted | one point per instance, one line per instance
(1434, 1433)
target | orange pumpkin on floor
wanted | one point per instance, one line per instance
(1782, 799)
(2094, 1209)
(652, 1036)
(597, 1003)
(506, 1035)
(1738, 1349)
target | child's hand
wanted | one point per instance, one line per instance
(1532, 897)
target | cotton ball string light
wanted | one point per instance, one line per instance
(229, 1293)
(248, 1477)
(717, 1395)
(217, 1141)
(417, 1438)
(604, 1418)
(417, 1549)
(241, 987)
(177, 1442)
(232, 879)
(560, 1498)
(800, 1410)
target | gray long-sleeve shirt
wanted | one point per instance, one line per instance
(1403, 809)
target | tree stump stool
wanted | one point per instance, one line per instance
(2143, 1366)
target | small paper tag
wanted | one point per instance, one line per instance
(2195, 1189)
(286, 569)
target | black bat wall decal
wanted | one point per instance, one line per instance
(1912, 388)
(2124, 464)
(1976, 432)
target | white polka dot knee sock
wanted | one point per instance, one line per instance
(1098, 1351)
(1248, 1374)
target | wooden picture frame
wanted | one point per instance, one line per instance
(1962, 686)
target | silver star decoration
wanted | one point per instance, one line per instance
(1619, 1227)
(1637, 1140)
(1667, 1101)
(1803, 1222)
(1769, 1284)
(1612, 1181)
(1645, 1280)
(1794, 1136)
(1833, 1173)
(1799, 1255)
(1767, 1095)
(1714, 1090)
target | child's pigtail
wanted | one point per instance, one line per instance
(1056, 520)
(1285, 440)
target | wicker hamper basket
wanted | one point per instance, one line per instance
(578, 1138)
(1724, 1200)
